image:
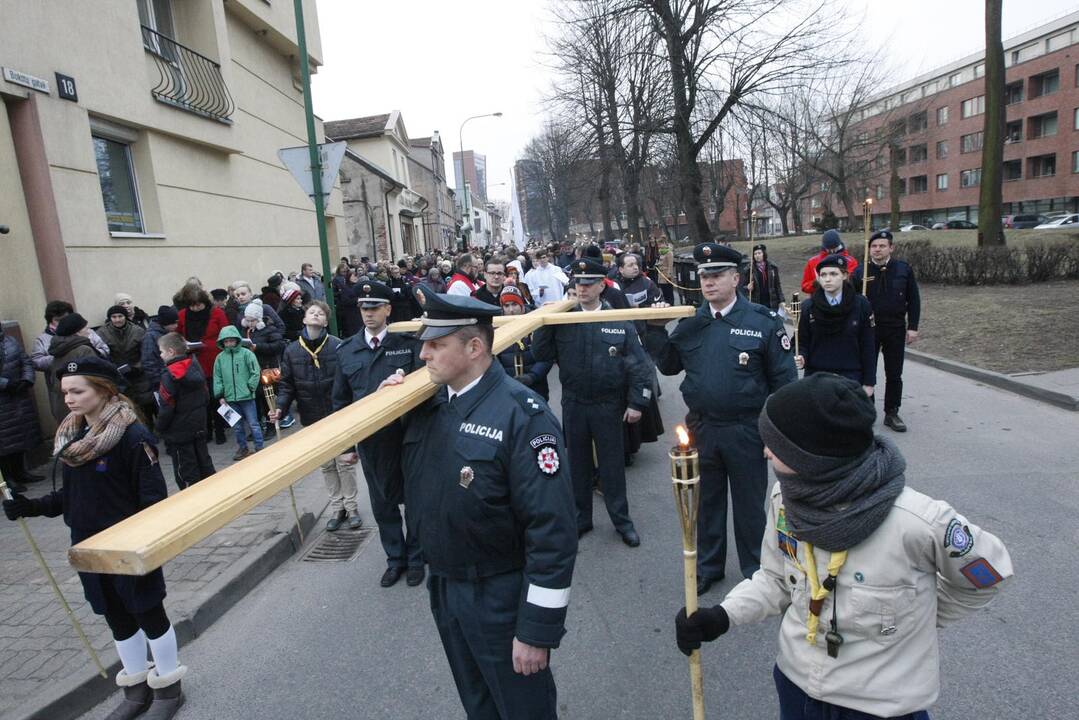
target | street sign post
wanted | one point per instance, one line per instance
(298, 162)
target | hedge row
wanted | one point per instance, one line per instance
(1007, 265)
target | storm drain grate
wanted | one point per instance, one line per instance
(339, 546)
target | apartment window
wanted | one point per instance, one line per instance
(971, 143)
(972, 107)
(979, 70)
(900, 157)
(1041, 126)
(119, 190)
(1043, 166)
(1013, 170)
(1013, 132)
(1013, 92)
(825, 186)
(1075, 123)
(897, 128)
(1026, 53)
(157, 15)
(1075, 161)
(942, 182)
(942, 150)
(970, 178)
(942, 115)
(918, 153)
(919, 184)
(1058, 41)
(955, 79)
(814, 203)
(1045, 83)
(918, 121)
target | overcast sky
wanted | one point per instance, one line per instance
(439, 62)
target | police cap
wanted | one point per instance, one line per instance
(881, 235)
(713, 258)
(834, 260)
(446, 314)
(588, 271)
(92, 366)
(371, 293)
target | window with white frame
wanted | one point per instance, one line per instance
(1075, 161)
(942, 181)
(942, 115)
(972, 107)
(970, 178)
(119, 187)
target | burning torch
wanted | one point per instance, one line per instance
(686, 479)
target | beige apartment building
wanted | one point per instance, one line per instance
(138, 146)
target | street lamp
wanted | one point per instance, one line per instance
(461, 179)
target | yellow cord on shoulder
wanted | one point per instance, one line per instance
(817, 590)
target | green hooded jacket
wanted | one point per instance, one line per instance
(236, 370)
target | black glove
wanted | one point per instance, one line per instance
(526, 379)
(704, 625)
(20, 506)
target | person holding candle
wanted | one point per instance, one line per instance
(734, 354)
(862, 568)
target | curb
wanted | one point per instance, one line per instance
(997, 380)
(72, 697)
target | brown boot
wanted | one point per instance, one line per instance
(137, 696)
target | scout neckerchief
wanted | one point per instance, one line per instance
(818, 590)
(314, 353)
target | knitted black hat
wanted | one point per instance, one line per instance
(812, 423)
(115, 310)
(70, 324)
(167, 315)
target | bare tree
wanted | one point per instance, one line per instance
(779, 133)
(558, 171)
(990, 197)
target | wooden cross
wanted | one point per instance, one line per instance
(149, 539)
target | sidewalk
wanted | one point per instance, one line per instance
(44, 669)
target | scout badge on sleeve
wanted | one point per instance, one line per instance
(958, 538)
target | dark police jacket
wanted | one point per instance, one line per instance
(893, 293)
(598, 363)
(489, 489)
(719, 387)
(309, 386)
(360, 370)
(851, 353)
(519, 354)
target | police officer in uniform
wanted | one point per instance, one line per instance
(363, 361)
(493, 504)
(606, 378)
(735, 354)
(861, 568)
(897, 307)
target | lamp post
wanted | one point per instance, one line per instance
(461, 191)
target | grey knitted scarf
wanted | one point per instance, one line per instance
(840, 508)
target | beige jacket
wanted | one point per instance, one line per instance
(924, 567)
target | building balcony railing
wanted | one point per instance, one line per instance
(188, 80)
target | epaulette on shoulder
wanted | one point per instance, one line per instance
(527, 399)
(765, 311)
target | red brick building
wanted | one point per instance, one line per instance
(940, 116)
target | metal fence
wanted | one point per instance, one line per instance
(188, 80)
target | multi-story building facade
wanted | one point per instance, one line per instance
(469, 167)
(427, 161)
(937, 120)
(138, 147)
(384, 214)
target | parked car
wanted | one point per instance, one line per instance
(1062, 221)
(912, 228)
(1023, 222)
(955, 225)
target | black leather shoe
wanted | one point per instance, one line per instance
(415, 576)
(355, 522)
(334, 523)
(895, 422)
(391, 576)
(630, 537)
(582, 531)
(704, 584)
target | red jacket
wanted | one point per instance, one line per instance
(209, 351)
(809, 275)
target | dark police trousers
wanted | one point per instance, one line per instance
(477, 620)
(401, 550)
(601, 424)
(795, 704)
(892, 340)
(732, 455)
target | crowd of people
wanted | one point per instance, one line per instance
(504, 520)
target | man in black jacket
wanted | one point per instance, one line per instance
(308, 368)
(181, 417)
(897, 306)
(364, 361)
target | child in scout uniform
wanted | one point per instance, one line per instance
(862, 568)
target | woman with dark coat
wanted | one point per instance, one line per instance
(124, 339)
(19, 430)
(201, 322)
(760, 279)
(111, 472)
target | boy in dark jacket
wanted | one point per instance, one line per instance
(181, 418)
(308, 368)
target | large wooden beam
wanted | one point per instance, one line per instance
(647, 313)
(145, 541)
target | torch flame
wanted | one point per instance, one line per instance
(683, 436)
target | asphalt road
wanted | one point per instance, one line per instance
(324, 641)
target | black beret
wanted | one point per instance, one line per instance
(92, 366)
(167, 315)
(834, 260)
(70, 324)
(881, 235)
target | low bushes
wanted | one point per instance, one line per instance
(1036, 262)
